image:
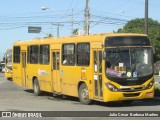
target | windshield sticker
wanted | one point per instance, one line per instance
(95, 77)
(113, 72)
(121, 65)
(134, 74)
(129, 74)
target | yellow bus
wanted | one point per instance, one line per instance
(8, 64)
(102, 67)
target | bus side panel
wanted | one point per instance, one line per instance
(31, 72)
(70, 75)
(17, 75)
(42, 73)
(44, 77)
(17, 70)
(87, 76)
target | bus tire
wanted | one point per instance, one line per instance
(36, 87)
(84, 94)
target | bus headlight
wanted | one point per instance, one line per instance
(150, 84)
(111, 87)
(7, 71)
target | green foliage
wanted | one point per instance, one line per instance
(137, 26)
(50, 35)
(157, 91)
(75, 31)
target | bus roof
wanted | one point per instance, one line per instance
(70, 39)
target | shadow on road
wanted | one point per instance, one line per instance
(9, 79)
(50, 96)
(145, 102)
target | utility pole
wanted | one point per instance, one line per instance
(146, 17)
(58, 25)
(86, 27)
(72, 23)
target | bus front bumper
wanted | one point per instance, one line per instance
(121, 96)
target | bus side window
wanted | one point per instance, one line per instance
(83, 54)
(44, 54)
(100, 61)
(68, 54)
(16, 54)
(95, 61)
(34, 54)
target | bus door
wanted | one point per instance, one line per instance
(24, 68)
(56, 71)
(97, 73)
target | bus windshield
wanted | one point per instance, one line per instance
(129, 62)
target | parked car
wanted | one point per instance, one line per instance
(2, 66)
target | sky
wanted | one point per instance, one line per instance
(105, 16)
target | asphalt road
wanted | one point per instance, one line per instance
(15, 98)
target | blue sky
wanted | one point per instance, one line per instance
(105, 16)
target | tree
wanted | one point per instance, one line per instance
(50, 35)
(137, 26)
(75, 31)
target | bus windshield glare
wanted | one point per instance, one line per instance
(131, 60)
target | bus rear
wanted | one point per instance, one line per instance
(128, 68)
(8, 64)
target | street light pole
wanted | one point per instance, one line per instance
(58, 24)
(86, 27)
(72, 22)
(146, 17)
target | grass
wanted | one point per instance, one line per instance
(157, 76)
(157, 92)
(157, 86)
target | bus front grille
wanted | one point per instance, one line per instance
(131, 94)
(131, 89)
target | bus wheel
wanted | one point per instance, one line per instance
(36, 87)
(84, 94)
